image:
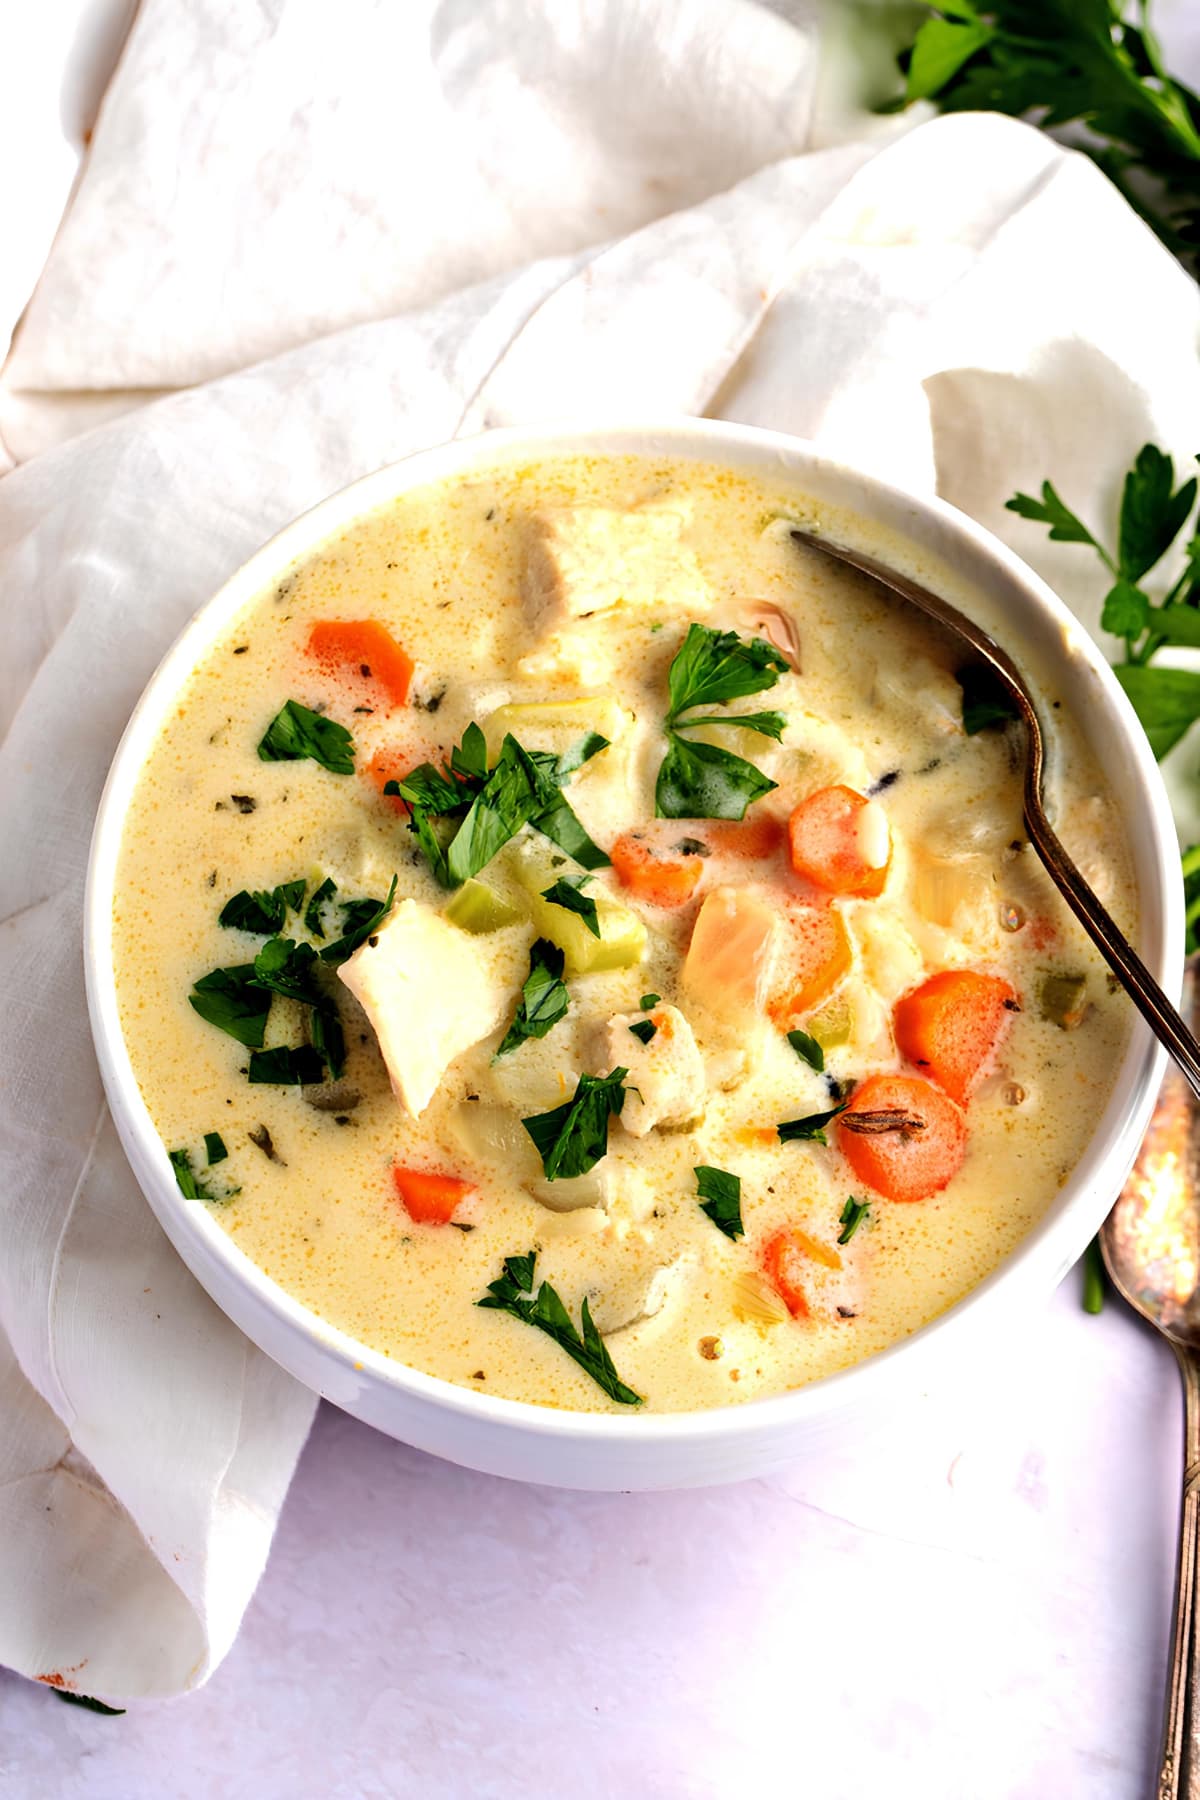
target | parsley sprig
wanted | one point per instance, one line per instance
(512, 1292)
(720, 1196)
(572, 1138)
(698, 780)
(1153, 513)
(544, 998)
(491, 805)
(1074, 61)
(297, 732)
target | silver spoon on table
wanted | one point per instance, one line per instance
(1151, 1240)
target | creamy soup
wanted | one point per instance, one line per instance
(584, 944)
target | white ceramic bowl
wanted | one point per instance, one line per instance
(630, 1450)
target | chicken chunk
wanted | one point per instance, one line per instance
(429, 993)
(665, 1084)
(585, 559)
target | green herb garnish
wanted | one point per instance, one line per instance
(572, 1138)
(295, 733)
(649, 1000)
(986, 702)
(1093, 1278)
(1153, 513)
(720, 1199)
(263, 912)
(698, 780)
(851, 1217)
(313, 922)
(808, 1050)
(810, 1129)
(190, 1184)
(567, 893)
(214, 1148)
(644, 1030)
(544, 997)
(361, 919)
(513, 1293)
(288, 1066)
(87, 1702)
(235, 1002)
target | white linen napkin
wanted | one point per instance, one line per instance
(949, 310)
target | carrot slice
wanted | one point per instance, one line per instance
(786, 1261)
(840, 841)
(365, 649)
(952, 1024)
(654, 875)
(732, 951)
(430, 1198)
(911, 1160)
(816, 954)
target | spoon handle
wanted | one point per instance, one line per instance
(1179, 1774)
(1120, 955)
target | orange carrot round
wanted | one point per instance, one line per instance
(839, 840)
(912, 1140)
(950, 1026)
(786, 1262)
(654, 875)
(430, 1198)
(365, 650)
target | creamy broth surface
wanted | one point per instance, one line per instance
(690, 1317)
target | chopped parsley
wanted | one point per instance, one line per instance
(810, 1129)
(720, 1199)
(513, 1293)
(296, 732)
(288, 1065)
(234, 1001)
(698, 780)
(808, 1050)
(572, 1138)
(851, 1217)
(649, 1000)
(190, 1184)
(313, 922)
(567, 892)
(214, 1148)
(544, 997)
(986, 702)
(524, 787)
(644, 1030)
(361, 919)
(264, 912)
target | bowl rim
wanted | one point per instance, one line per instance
(1043, 1253)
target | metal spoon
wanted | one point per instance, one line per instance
(1151, 1248)
(1111, 942)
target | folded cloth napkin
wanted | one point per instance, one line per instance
(958, 309)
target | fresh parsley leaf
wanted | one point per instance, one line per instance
(1152, 514)
(469, 758)
(575, 757)
(768, 724)
(290, 1066)
(1167, 701)
(313, 921)
(214, 1148)
(985, 699)
(810, 1129)
(431, 789)
(234, 1001)
(544, 997)
(572, 1138)
(649, 1000)
(361, 919)
(295, 732)
(851, 1217)
(567, 893)
(1050, 510)
(87, 1702)
(263, 912)
(285, 967)
(1126, 610)
(702, 781)
(808, 1050)
(559, 823)
(1177, 624)
(512, 1293)
(720, 1199)
(644, 1030)
(186, 1179)
(712, 668)
(514, 791)
(941, 48)
(328, 1037)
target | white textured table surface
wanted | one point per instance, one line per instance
(970, 1608)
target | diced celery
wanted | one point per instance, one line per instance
(834, 1024)
(1063, 1000)
(622, 940)
(548, 720)
(478, 908)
